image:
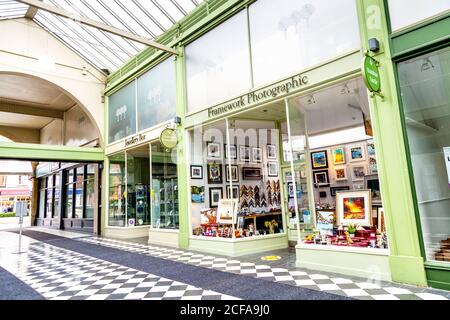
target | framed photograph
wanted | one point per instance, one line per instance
(213, 149)
(373, 168)
(215, 195)
(257, 155)
(338, 155)
(325, 222)
(358, 173)
(251, 173)
(197, 194)
(381, 220)
(354, 207)
(290, 189)
(235, 192)
(357, 153)
(370, 148)
(333, 190)
(373, 184)
(340, 173)
(244, 153)
(233, 151)
(272, 169)
(271, 151)
(234, 173)
(226, 211)
(196, 172)
(214, 173)
(319, 159)
(321, 178)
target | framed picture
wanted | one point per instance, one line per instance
(214, 173)
(373, 168)
(357, 153)
(354, 207)
(370, 148)
(257, 155)
(271, 151)
(213, 149)
(333, 190)
(234, 173)
(272, 169)
(244, 153)
(196, 172)
(197, 194)
(325, 221)
(381, 220)
(373, 184)
(340, 173)
(240, 222)
(251, 173)
(338, 155)
(215, 195)
(321, 178)
(226, 211)
(319, 159)
(290, 189)
(233, 151)
(322, 194)
(235, 192)
(358, 173)
(358, 187)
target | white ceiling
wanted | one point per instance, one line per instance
(23, 121)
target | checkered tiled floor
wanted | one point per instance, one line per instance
(60, 274)
(359, 289)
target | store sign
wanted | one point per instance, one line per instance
(259, 96)
(447, 162)
(135, 140)
(168, 138)
(371, 74)
(17, 192)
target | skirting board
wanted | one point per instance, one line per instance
(126, 233)
(163, 238)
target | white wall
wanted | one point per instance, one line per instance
(52, 133)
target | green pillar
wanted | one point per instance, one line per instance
(183, 179)
(406, 261)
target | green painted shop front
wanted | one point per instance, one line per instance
(216, 108)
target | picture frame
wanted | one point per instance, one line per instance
(235, 192)
(271, 151)
(244, 153)
(325, 221)
(322, 194)
(381, 220)
(372, 182)
(357, 153)
(234, 173)
(340, 173)
(215, 195)
(358, 173)
(338, 155)
(272, 168)
(197, 194)
(373, 166)
(354, 207)
(290, 190)
(196, 172)
(213, 149)
(233, 151)
(321, 178)
(215, 173)
(371, 148)
(333, 190)
(257, 155)
(250, 173)
(227, 211)
(319, 159)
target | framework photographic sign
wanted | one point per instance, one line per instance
(371, 74)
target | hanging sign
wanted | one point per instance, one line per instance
(447, 162)
(371, 74)
(168, 138)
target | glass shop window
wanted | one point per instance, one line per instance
(117, 190)
(122, 113)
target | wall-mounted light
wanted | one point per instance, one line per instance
(374, 44)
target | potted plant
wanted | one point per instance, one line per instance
(351, 229)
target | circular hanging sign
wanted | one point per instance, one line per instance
(371, 74)
(168, 138)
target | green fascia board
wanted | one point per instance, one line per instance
(186, 28)
(438, 275)
(25, 151)
(420, 37)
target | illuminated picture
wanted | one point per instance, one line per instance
(353, 207)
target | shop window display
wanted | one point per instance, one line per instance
(235, 180)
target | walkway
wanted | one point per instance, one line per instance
(68, 265)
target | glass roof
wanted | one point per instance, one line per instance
(148, 18)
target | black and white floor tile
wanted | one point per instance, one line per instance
(59, 274)
(350, 287)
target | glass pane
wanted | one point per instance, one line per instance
(425, 88)
(403, 13)
(79, 193)
(138, 185)
(49, 208)
(156, 95)
(122, 113)
(116, 215)
(42, 203)
(214, 61)
(291, 35)
(90, 199)
(69, 201)
(164, 188)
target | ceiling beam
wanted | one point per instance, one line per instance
(98, 25)
(31, 111)
(31, 12)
